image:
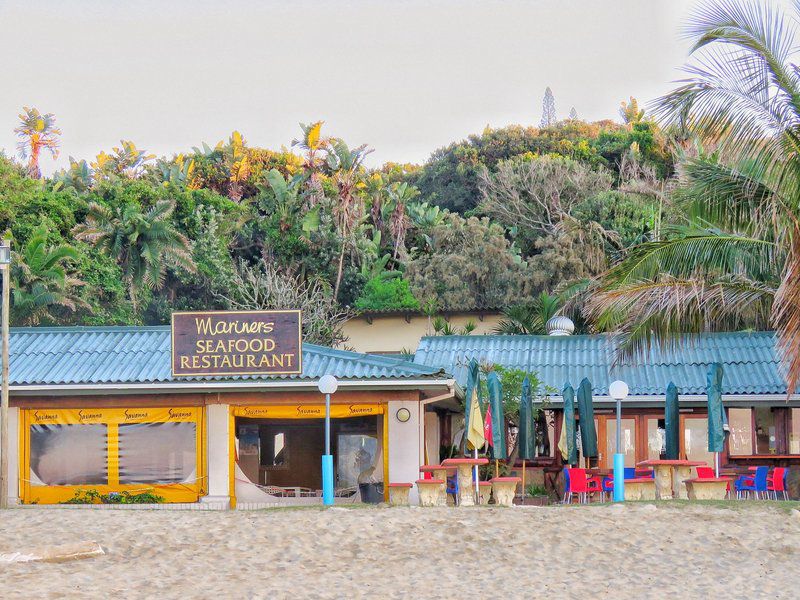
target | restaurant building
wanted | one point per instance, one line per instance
(99, 409)
(764, 420)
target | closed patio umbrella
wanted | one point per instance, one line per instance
(498, 447)
(567, 443)
(526, 438)
(472, 387)
(473, 435)
(586, 419)
(672, 422)
(717, 421)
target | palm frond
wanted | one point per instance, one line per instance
(686, 251)
(664, 310)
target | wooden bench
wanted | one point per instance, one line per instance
(485, 488)
(504, 489)
(431, 492)
(398, 493)
(439, 472)
(640, 488)
(707, 488)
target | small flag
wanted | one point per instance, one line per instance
(487, 427)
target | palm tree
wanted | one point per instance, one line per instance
(40, 282)
(313, 144)
(37, 132)
(144, 243)
(348, 212)
(400, 195)
(126, 161)
(735, 261)
(78, 176)
(530, 318)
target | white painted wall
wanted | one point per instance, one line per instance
(217, 430)
(405, 443)
(13, 456)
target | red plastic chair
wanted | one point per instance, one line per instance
(708, 473)
(705, 473)
(777, 483)
(582, 485)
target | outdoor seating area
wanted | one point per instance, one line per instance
(674, 481)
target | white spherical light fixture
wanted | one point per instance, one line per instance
(327, 384)
(618, 390)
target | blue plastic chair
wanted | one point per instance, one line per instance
(567, 490)
(757, 484)
(452, 488)
(607, 484)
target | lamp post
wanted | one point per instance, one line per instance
(619, 391)
(327, 385)
(5, 269)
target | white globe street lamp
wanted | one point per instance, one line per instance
(327, 385)
(619, 391)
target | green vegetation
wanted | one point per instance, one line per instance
(128, 237)
(94, 497)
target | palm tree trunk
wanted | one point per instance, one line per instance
(339, 273)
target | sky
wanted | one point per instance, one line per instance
(404, 76)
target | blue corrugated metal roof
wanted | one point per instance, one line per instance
(92, 355)
(751, 363)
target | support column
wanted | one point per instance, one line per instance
(218, 457)
(13, 456)
(405, 442)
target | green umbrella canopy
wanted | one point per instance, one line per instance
(672, 422)
(526, 440)
(472, 385)
(717, 423)
(586, 419)
(569, 424)
(498, 448)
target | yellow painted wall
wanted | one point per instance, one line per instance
(394, 334)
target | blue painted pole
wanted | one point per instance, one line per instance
(327, 458)
(619, 460)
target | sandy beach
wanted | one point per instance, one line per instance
(635, 551)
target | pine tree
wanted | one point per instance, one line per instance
(573, 114)
(548, 109)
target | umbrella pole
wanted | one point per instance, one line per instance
(475, 480)
(716, 464)
(523, 477)
(496, 468)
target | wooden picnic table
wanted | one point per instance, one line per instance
(670, 476)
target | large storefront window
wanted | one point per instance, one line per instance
(68, 455)
(158, 453)
(740, 441)
(627, 440)
(656, 438)
(68, 451)
(765, 430)
(794, 431)
(695, 437)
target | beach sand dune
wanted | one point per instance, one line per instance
(633, 551)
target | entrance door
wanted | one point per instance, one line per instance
(656, 430)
